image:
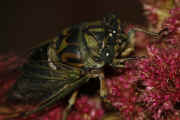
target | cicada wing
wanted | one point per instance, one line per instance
(9, 64)
(39, 84)
(40, 81)
(68, 88)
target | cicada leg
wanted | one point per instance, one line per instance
(104, 93)
(8, 113)
(98, 73)
(131, 46)
(119, 63)
(156, 35)
(103, 88)
(131, 38)
(71, 102)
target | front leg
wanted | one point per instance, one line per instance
(131, 39)
(103, 88)
(119, 63)
(131, 46)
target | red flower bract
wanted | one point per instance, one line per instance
(161, 76)
(173, 25)
(87, 109)
(8, 75)
(149, 88)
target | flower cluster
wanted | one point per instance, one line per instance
(161, 77)
(7, 74)
(173, 25)
(123, 94)
(147, 88)
(150, 89)
(156, 11)
(87, 109)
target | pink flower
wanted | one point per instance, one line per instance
(87, 109)
(161, 76)
(8, 75)
(173, 25)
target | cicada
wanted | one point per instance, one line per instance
(60, 66)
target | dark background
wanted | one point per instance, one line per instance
(25, 23)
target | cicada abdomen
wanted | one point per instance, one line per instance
(41, 82)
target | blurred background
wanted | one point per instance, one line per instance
(25, 23)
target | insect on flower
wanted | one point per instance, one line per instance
(60, 66)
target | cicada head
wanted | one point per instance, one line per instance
(115, 38)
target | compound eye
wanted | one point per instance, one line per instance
(110, 34)
(107, 54)
(114, 31)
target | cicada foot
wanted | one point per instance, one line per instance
(71, 102)
(103, 94)
(156, 35)
(8, 112)
(153, 34)
(9, 116)
(107, 105)
(112, 116)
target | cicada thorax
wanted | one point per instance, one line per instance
(69, 46)
(81, 45)
(90, 44)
